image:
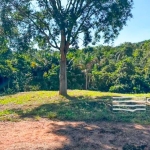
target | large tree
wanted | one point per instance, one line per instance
(61, 24)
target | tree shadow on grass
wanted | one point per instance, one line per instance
(81, 109)
(76, 108)
(66, 111)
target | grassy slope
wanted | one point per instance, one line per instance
(79, 105)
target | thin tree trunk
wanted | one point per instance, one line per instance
(86, 79)
(63, 67)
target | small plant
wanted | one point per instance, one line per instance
(37, 118)
(51, 115)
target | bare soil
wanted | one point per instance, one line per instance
(64, 135)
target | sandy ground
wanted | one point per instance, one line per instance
(65, 135)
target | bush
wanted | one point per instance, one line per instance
(119, 88)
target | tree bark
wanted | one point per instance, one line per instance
(63, 66)
(63, 76)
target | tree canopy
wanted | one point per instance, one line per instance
(48, 18)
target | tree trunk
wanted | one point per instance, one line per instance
(63, 76)
(63, 67)
(86, 79)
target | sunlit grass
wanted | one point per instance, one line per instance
(79, 105)
(101, 94)
(26, 97)
(42, 96)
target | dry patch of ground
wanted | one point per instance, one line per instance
(64, 135)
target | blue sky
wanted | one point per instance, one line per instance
(138, 27)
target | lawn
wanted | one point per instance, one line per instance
(79, 105)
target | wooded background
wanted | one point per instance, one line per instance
(123, 69)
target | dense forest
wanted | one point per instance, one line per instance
(122, 69)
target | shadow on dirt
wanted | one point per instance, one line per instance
(103, 136)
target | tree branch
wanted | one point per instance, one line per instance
(53, 38)
(79, 28)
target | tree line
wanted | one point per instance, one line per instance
(121, 69)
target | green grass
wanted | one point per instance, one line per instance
(79, 105)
